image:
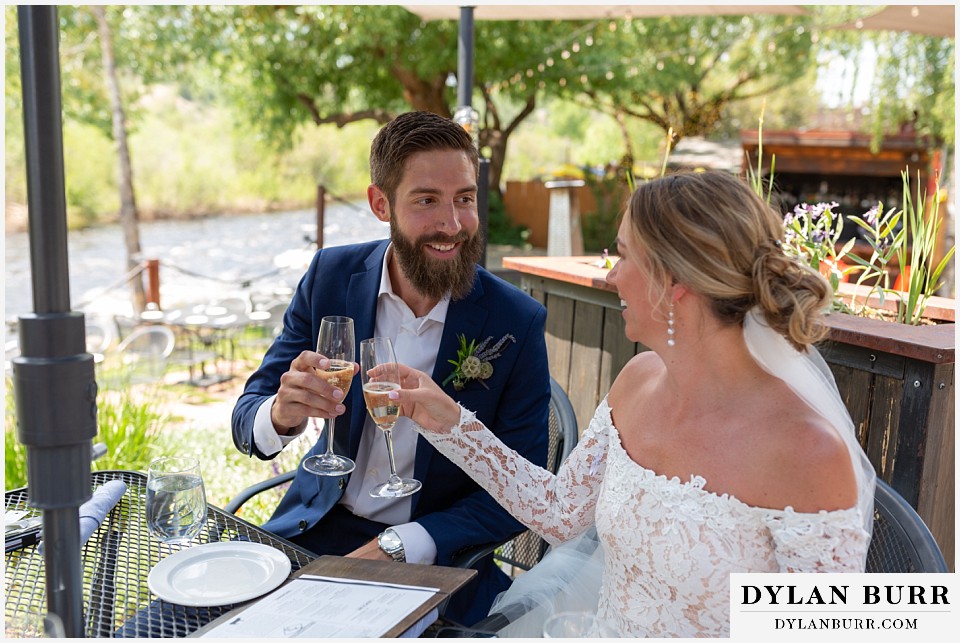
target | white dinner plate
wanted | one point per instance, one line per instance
(218, 573)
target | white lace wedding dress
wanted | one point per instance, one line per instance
(668, 545)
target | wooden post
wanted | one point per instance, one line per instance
(321, 204)
(153, 282)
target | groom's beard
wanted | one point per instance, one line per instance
(432, 277)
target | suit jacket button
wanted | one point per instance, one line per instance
(342, 484)
(302, 525)
(246, 447)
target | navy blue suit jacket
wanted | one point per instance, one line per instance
(455, 511)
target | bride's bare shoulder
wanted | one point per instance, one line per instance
(642, 369)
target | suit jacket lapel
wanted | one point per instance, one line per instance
(361, 302)
(464, 317)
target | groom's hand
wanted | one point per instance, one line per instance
(370, 551)
(304, 394)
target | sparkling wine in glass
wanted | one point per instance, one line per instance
(335, 342)
(380, 375)
(176, 502)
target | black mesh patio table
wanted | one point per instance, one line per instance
(116, 560)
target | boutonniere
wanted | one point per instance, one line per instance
(474, 361)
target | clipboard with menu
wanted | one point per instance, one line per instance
(345, 597)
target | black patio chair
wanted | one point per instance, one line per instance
(901, 542)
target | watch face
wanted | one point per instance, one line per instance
(389, 542)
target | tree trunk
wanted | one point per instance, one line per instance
(128, 204)
(621, 120)
(495, 136)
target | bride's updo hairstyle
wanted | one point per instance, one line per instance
(710, 232)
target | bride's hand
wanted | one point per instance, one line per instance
(424, 402)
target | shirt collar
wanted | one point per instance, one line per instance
(438, 313)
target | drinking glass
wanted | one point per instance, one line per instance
(577, 625)
(176, 501)
(335, 342)
(377, 353)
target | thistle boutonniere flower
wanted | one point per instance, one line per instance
(474, 362)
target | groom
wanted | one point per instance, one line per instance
(423, 289)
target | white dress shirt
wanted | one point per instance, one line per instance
(416, 341)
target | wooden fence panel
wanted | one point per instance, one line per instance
(585, 359)
(559, 339)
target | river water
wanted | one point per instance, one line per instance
(200, 259)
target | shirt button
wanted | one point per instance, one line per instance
(302, 525)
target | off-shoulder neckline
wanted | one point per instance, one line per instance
(697, 483)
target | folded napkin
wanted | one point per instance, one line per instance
(93, 511)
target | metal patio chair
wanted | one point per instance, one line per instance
(901, 541)
(144, 353)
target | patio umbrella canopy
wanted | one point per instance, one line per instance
(590, 12)
(929, 20)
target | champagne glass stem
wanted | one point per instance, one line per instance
(394, 481)
(330, 424)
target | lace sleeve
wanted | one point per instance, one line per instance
(828, 541)
(558, 507)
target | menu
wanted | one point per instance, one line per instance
(326, 607)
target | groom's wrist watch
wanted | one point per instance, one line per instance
(389, 541)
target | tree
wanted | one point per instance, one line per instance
(128, 201)
(339, 64)
(682, 74)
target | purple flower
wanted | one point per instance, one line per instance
(818, 236)
(870, 216)
(820, 208)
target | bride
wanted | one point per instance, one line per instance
(724, 448)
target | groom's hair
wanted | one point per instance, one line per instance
(408, 134)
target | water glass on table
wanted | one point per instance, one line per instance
(176, 501)
(335, 342)
(380, 375)
(577, 625)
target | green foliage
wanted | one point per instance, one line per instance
(128, 423)
(15, 454)
(682, 73)
(501, 229)
(812, 234)
(600, 227)
(921, 232)
(90, 174)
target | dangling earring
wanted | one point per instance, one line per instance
(670, 329)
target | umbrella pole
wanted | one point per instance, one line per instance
(53, 378)
(465, 57)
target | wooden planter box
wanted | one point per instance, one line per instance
(896, 380)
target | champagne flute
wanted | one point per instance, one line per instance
(377, 353)
(176, 501)
(335, 342)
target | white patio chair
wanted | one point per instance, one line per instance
(144, 354)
